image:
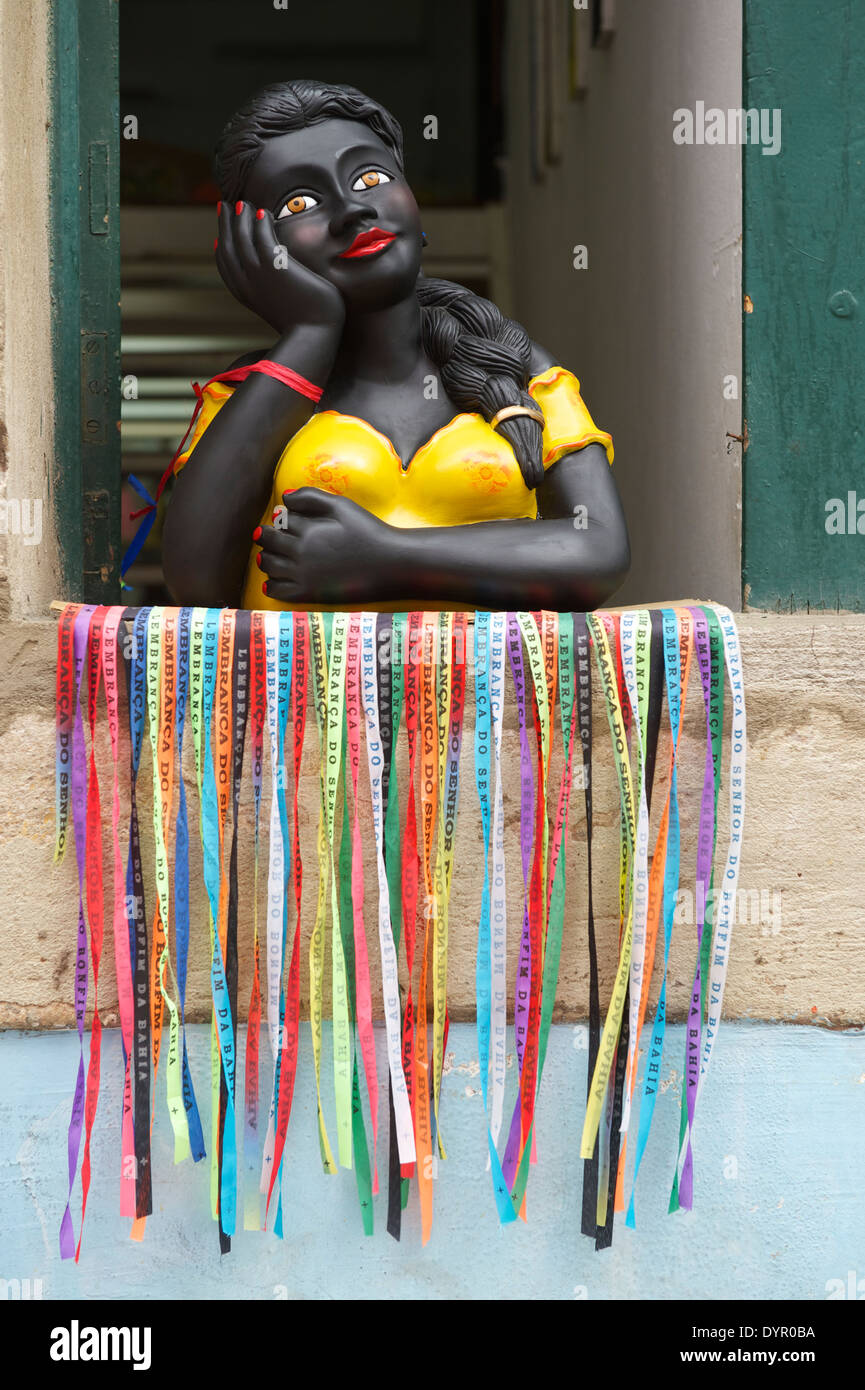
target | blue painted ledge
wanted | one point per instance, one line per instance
(778, 1190)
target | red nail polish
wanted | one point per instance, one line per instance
(219, 207)
(238, 208)
(256, 535)
(264, 587)
(258, 559)
(216, 243)
(260, 214)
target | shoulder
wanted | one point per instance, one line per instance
(246, 359)
(540, 360)
(568, 423)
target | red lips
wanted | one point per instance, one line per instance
(368, 243)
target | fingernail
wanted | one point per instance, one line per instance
(264, 587)
(238, 208)
(219, 207)
(256, 535)
(260, 214)
(258, 559)
(216, 243)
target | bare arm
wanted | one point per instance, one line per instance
(574, 557)
(220, 494)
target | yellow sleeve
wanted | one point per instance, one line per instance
(213, 398)
(569, 425)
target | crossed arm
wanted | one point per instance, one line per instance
(334, 552)
(573, 558)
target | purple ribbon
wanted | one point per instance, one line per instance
(79, 819)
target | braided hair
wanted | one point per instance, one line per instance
(483, 357)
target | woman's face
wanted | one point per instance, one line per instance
(342, 208)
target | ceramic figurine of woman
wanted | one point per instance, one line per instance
(415, 447)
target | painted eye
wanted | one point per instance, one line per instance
(301, 202)
(371, 179)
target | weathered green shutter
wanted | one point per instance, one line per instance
(804, 273)
(85, 291)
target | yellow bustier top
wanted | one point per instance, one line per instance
(466, 472)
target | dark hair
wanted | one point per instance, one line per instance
(287, 106)
(483, 357)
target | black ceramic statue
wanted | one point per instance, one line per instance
(428, 454)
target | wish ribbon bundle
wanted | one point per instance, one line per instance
(399, 703)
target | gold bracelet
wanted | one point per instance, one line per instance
(510, 410)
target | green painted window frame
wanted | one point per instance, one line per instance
(85, 294)
(804, 325)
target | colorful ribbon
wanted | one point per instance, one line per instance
(390, 692)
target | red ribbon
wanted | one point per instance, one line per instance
(275, 369)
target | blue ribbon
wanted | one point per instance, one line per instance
(181, 881)
(136, 545)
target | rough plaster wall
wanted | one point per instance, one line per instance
(797, 958)
(654, 324)
(26, 418)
